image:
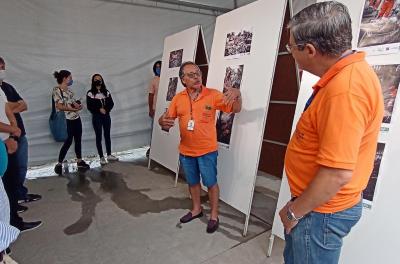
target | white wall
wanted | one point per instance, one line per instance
(120, 41)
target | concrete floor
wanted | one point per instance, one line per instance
(124, 213)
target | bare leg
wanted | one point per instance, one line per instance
(213, 194)
(195, 191)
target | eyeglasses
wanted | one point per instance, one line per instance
(193, 75)
(289, 47)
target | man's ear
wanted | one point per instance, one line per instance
(310, 49)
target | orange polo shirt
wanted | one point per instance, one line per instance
(338, 130)
(203, 139)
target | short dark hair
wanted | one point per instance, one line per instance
(181, 73)
(2, 61)
(155, 64)
(325, 25)
(61, 75)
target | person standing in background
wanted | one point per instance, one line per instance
(153, 90)
(64, 101)
(100, 103)
(18, 105)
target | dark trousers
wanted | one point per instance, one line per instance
(102, 122)
(11, 183)
(74, 129)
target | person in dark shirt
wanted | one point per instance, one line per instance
(15, 174)
(100, 103)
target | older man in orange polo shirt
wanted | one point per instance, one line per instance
(195, 108)
(330, 156)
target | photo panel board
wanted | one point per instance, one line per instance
(243, 56)
(178, 48)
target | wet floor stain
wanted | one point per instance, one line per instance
(133, 201)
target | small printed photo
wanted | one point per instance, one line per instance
(224, 127)
(172, 85)
(389, 77)
(175, 58)
(369, 192)
(380, 24)
(238, 43)
(233, 76)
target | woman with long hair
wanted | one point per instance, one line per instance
(64, 101)
(100, 103)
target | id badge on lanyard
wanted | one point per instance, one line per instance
(190, 124)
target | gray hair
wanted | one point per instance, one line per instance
(181, 73)
(325, 25)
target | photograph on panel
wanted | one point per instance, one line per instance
(380, 26)
(172, 85)
(233, 78)
(238, 43)
(389, 77)
(175, 58)
(369, 192)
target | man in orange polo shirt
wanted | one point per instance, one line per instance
(195, 108)
(330, 156)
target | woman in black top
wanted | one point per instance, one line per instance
(100, 103)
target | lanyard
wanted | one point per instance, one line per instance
(191, 108)
(309, 101)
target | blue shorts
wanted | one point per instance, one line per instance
(205, 165)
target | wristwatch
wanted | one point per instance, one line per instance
(291, 216)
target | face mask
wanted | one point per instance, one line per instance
(70, 82)
(158, 71)
(2, 75)
(98, 82)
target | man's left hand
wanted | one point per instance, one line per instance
(287, 224)
(231, 95)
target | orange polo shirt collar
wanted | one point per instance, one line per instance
(337, 67)
(203, 93)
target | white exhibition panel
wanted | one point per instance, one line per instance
(164, 145)
(307, 82)
(375, 238)
(237, 166)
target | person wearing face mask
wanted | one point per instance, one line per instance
(64, 101)
(100, 103)
(153, 90)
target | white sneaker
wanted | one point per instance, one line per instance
(8, 260)
(112, 158)
(103, 161)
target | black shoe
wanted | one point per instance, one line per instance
(58, 169)
(21, 208)
(28, 226)
(30, 197)
(212, 226)
(83, 165)
(8, 251)
(189, 217)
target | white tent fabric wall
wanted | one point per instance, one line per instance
(119, 41)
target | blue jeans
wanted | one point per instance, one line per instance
(205, 165)
(22, 167)
(318, 238)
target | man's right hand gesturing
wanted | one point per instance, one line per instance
(166, 122)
